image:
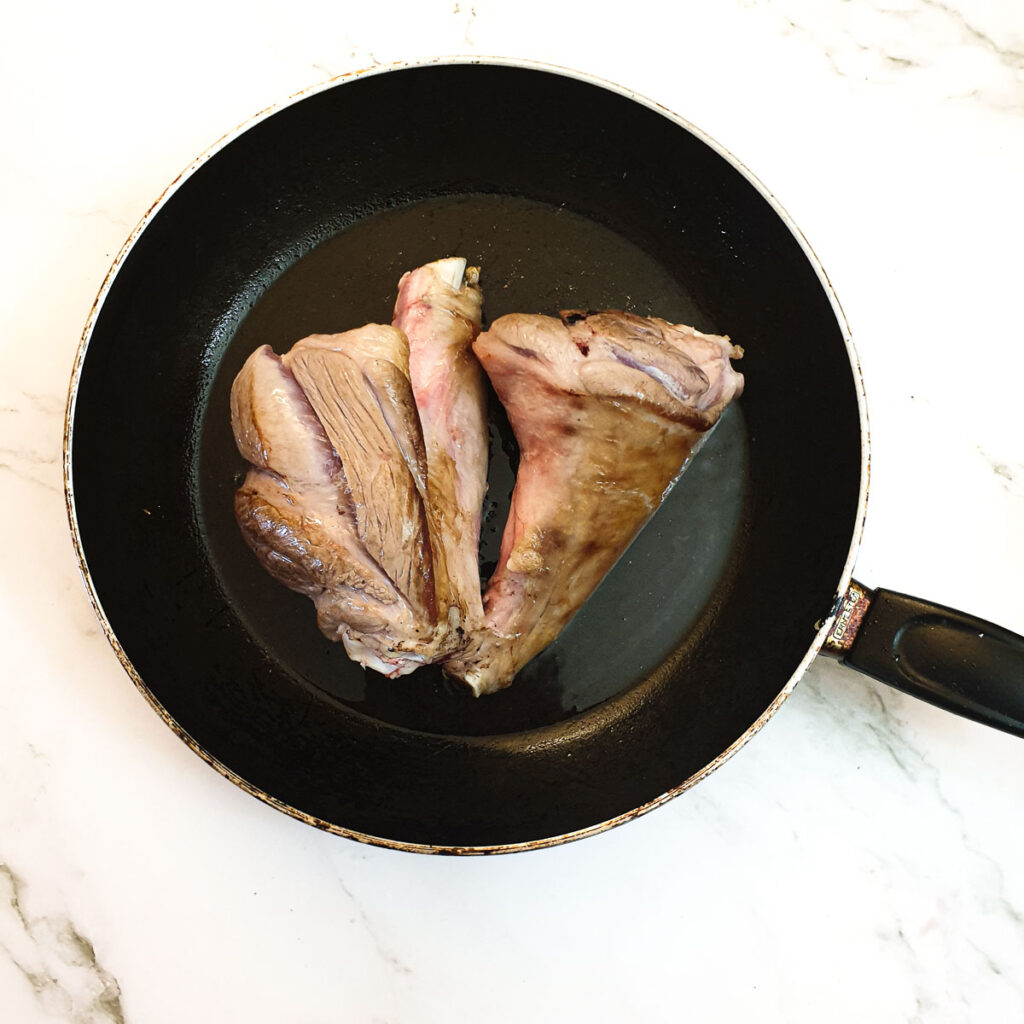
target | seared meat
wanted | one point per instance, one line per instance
(607, 409)
(438, 309)
(368, 456)
(331, 505)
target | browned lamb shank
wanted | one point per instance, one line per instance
(607, 409)
(438, 310)
(368, 464)
(331, 505)
(345, 500)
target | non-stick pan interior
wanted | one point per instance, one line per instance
(568, 196)
(536, 257)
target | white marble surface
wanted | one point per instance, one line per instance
(861, 860)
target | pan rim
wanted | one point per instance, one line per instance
(825, 625)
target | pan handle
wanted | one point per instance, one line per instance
(955, 661)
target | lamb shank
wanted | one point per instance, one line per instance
(341, 522)
(368, 464)
(438, 310)
(607, 409)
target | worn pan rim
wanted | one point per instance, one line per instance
(824, 627)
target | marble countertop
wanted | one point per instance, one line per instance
(861, 860)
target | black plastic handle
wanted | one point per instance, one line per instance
(958, 662)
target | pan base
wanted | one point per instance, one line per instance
(535, 257)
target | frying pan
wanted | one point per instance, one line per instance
(569, 193)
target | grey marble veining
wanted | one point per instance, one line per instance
(978, 58)
(56, 959)
(30, 432)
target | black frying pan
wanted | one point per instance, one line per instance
(568, 194)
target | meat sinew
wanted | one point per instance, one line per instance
(438, 310)
(607, 409)
(332, 504)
